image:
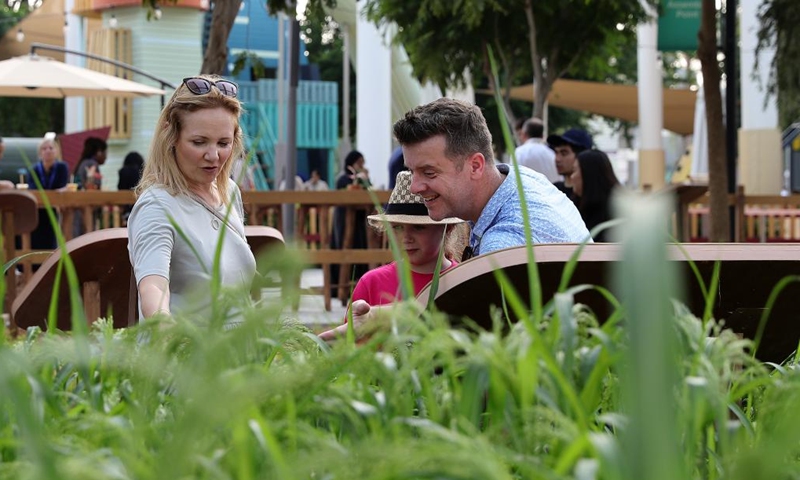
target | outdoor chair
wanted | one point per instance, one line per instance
(106, 282)
(20, 215)
(108, 287)
(748, 274)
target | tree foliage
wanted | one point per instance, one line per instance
(539, 41)
(27, 117)
(780, 29)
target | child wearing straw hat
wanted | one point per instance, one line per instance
(418, 237)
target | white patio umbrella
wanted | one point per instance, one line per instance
(38, 76)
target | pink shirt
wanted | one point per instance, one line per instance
(381, 285)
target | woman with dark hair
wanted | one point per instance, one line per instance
(593, 184)
(87, 173)
(352, 176)
(131, 171)
(353, 172)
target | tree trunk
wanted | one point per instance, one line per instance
(540, 85)
(717, 168)
(216, 55)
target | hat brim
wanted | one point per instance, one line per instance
(558, 140)
(377, 221)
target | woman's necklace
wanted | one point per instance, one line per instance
(217, 218)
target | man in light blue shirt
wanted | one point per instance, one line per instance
(448, 148)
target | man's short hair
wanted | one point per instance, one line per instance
(533, 128)
(461, 123)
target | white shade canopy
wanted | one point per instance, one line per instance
(45, 77)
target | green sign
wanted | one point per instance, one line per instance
(678, 25)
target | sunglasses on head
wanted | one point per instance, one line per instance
(202, 86)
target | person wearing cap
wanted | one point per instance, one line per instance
(533, 153)
(419, 238)
(567, 147)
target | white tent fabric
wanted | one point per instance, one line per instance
(45, 77)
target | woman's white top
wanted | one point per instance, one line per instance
(186, 259)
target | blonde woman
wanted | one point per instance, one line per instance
(186, 197)
(53, 174)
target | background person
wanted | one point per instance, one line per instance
(186, 183)
(593, 183)
(131, 172)
(4, 184)
(352, 176)
(567, 147)
(315, 183)
(129, 176)
(533, 153)
(87, 172)
(53, 174)
(242, 173)
(396, 165)
(88, 177)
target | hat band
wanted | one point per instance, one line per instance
(406, 209)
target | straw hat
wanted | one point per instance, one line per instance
(407, 207)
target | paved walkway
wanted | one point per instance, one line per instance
(312, 307)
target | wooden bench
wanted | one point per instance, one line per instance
(104, 272)
(107, 282)
(19, 215)
(748, 274)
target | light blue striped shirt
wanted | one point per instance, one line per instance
(553, 216)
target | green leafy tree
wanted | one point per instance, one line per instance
(780, 29)
(445, 39)
(26, 117)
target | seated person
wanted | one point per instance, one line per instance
(593, 183)
(186, 199)
(418, 237)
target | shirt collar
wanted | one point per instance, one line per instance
(492, 208)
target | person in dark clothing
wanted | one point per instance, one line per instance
(396, 165)
(52, 174)
(87, 172)
(129, 176)
(352, 176)
(88, 177)
(567, 146)
(593, 183)
(131, 171)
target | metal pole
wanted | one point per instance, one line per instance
(291, 125)
(731, 93)
(125, 66)
(731, 110)
(281, 75)
(346, 144)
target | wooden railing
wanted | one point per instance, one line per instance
(312, 226)
(758, 218)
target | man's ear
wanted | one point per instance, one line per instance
(476, 163)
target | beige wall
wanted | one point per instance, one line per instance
(760, 161)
